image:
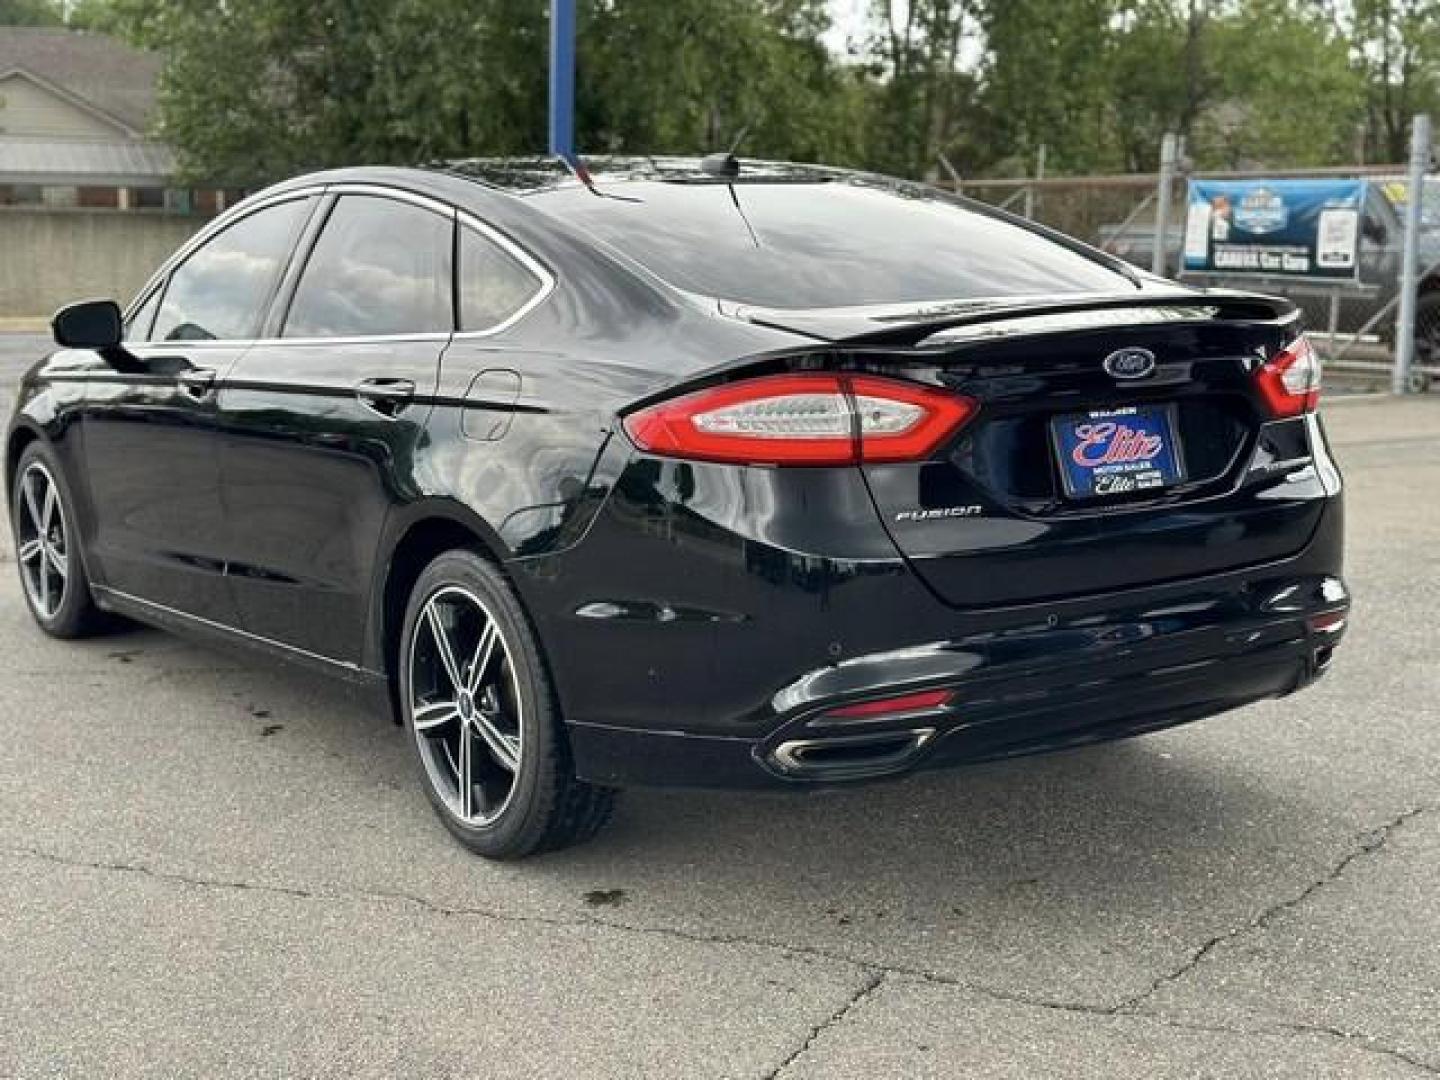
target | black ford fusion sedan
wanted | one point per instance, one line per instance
(688, 472)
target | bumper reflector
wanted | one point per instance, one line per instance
(1332, 622)
(904, 705)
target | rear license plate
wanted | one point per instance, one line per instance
(1118, 452)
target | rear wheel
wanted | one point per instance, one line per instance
(52, 572)
(483, 719)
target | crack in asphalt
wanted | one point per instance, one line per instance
(1360, 1040)
(698, 937)
(1354, 1040)
(1368, 842)
(868, 987)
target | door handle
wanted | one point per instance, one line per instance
(196, 381)
(387, 396)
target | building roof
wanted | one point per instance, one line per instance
(105, 74)
(82, 162)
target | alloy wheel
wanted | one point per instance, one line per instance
(465, 705)
(43, 543)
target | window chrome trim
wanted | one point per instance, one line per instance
(546, 279)
(358, 339)
(383, 191)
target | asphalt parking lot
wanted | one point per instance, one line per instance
(215, 867)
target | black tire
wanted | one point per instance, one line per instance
(546, 807)
(75, 615)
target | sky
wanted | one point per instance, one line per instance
(848, 17)
(850, 21)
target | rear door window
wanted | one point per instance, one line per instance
(221, 290)
(380, 267)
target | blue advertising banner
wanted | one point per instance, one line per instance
(1290, 228)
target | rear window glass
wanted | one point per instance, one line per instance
(816, 245)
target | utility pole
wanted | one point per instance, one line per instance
(1409, 260)
(562, 79)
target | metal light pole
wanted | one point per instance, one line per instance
(1409, 260)
(1169, 151)
(562, 79)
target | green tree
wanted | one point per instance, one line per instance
(688, 76)
(256, 89)
(1047, 80)
(28, 13)
(1396, 47)
(1163, 76)
(921, 103)
(1246, 83)
(1284, 92)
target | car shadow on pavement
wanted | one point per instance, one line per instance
(1116, 842)
(1079, 854)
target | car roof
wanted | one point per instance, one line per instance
(533, 201)
(532, 175)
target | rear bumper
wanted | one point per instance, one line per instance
(1029, 691)
(694, 641)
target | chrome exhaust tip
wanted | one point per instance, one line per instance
(850, 756)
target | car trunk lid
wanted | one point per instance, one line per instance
(991, 519)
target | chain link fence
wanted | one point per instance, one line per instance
(1353, 323)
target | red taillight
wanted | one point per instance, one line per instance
(1290, 381)
(809, 419)
(923, 701)
(1332, 622)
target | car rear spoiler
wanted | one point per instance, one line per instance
(892, 324)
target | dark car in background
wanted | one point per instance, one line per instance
(688, 472)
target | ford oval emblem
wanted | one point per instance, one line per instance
(1130, 363)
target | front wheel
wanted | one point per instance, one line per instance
(52, 572)
(483, 719)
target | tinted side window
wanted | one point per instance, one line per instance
(493, 284)
(221, 290)
(380, 267)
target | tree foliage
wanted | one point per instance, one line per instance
(694, 75)
(1396, 46)
(28, 13)
(920, 98)
(255, 89)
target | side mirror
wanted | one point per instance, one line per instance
(89, 324)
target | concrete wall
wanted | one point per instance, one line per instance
(49, 257)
